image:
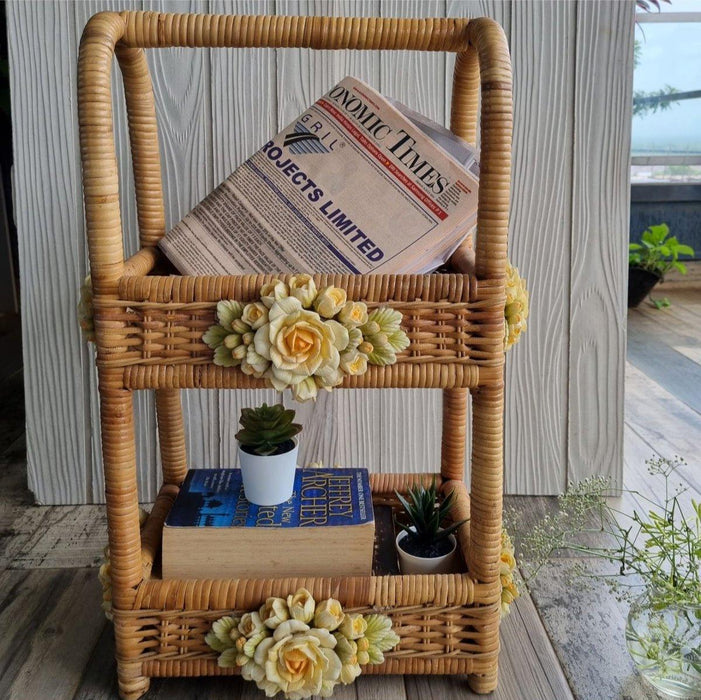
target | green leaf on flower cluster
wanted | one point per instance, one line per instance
(229, 311)
(214, 336)
(384, 333)
(219, 638)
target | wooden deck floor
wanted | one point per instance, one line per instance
(557, 643)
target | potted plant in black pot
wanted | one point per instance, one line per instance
(424, 546)
(268, 453)
(652, 258)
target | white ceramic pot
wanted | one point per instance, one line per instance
(410, 564)
(268, 480)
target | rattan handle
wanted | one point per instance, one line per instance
(482, 53)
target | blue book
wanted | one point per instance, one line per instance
(326, 529)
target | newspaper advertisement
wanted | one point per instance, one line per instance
(357, 184)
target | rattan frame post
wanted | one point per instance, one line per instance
(149, 329)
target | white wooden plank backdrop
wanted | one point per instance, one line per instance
(573, 74)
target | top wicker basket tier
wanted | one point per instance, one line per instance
(151, 327)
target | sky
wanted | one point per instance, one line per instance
(670, 55)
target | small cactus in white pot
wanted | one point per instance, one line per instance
(268, 453)
(423, 545)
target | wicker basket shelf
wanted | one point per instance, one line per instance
(149, 336)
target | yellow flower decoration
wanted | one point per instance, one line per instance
(516, 307)
(302, 339)
(300, 654)
(507, 566)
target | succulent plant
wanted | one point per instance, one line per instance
(265, 428)
(426, 514)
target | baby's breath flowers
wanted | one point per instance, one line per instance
(301, 648)
(659, 550)
(304, 339)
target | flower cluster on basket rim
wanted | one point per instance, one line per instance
(507, 566)
(299, 647)
(304, 339)
(516, 307)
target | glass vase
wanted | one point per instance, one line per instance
(664, 641)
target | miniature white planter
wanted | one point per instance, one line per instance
(410, 564)
(268, 480)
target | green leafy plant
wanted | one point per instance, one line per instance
(658, 252)
(266, 428)
(425, 514)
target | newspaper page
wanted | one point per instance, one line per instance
(356, 184)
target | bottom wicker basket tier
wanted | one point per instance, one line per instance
(447, 623)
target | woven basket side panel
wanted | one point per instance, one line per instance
(449, 319)
(438, 633)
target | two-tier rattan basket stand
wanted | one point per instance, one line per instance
(149, 330)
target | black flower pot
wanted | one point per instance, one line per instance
(640, 284)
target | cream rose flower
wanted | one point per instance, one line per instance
(232, 341)
(240, 326)
(273, 291)
(354, 313)
(516, 307)
(297, 342)
(239, 352)
(507, 563)
(250, 624)
(253, 363)
(346, 649)
(302, 287)
(299, 664)
(329, 378)
(255, 315)
(353, 626)
(349, 672)
(329, 301)
(329, 614)
(273, 612)
(355, 337)
(305, 390)
(354, 362)
(301, 605)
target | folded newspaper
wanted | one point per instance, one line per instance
(357, 184)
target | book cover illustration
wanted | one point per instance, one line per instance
(321, 498)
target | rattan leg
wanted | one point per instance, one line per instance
(171, 434)
(132, 685)
(486, 489)
(119, 458)
(486, 484)
(453, 437)
(484, 682)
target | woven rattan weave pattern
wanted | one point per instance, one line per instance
(149, 328)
